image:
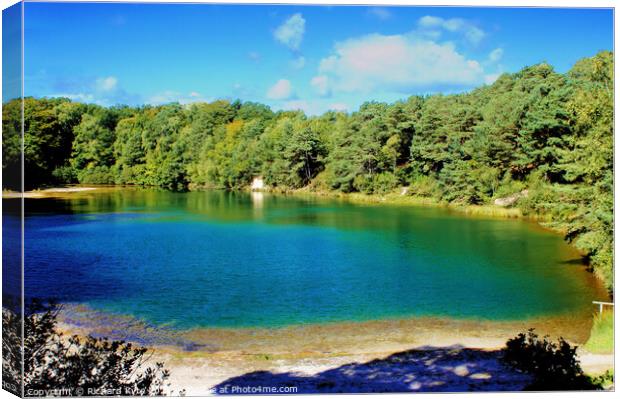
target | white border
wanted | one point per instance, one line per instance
(472, 3)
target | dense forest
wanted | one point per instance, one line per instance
(536, 129)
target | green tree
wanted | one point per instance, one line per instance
(92, 153)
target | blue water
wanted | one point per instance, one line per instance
(206, 259)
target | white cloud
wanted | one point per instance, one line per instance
(171, 96)
(496, 54)
(312, 107)
(491, 78)
(104, 91)
(321, 84)
(431, 34)
(472, 33)
(106, 84)
(291, 32)
(299, 62)
(342, 107)
(397, 63)
(79, 97)
(282, 90)
(429, 21)
(299, 105)
(381, 13)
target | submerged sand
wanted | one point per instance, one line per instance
(417, 354)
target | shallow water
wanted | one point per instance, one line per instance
(219, 259)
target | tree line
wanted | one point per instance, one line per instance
(536, 129)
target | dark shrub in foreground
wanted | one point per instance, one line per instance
(58, 365)
(554, 366)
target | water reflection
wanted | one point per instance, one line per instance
(257, 201)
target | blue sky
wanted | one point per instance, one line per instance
(313, 58)
(11, 52)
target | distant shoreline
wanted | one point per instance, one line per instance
(393, 198)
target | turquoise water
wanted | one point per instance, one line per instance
(219, 259)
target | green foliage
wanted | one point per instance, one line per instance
(65, 174)
(11, 145)
(553, 366)
(47, 141)
(605, 380)
(369, 147)
(95, 175)
(423, 186)
(536, 130)
(380, 183)
(84, 366)
(602, 335)
(93, 144)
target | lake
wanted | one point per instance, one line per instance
(222, 259)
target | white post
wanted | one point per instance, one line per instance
(600, 307)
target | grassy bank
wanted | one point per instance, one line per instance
(601, 342)
(410, 200)
(602, 336)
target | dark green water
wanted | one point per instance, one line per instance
(205, 259)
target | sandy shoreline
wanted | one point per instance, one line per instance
(48, 192)
(311, 356)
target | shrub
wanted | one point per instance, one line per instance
(605, 380)
(321, 182)
(363, 184)
(385, 182)
(65, 174)
(96, 175)
(508, 187)
(423, 186)
(82, 366)
(380, 183)
(554, 366)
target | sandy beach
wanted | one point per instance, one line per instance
(421, 354)
(48, 192)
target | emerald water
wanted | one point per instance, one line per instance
(221, 259)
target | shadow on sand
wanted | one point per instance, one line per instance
(424, 369)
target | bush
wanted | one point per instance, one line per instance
(385, 182)
(96, 175)
(80, 366)
(363, 184)
(508, 187)
(65, 174)
(605, 380)
(554, 366)
(380, 183)
(423, 186)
